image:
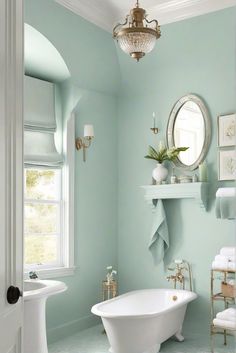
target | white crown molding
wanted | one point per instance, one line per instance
(105, 16)
(178, 10)
(100, 15)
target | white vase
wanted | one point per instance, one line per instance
(160, 173)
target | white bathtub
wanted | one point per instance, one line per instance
(139, 321)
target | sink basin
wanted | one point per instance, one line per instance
(33, 285)
(35, 288)
(35, 295)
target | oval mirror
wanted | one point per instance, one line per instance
(189, 126)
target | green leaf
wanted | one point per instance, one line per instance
(149, 157)
(152, 152)
(182, 149)
(164, 154)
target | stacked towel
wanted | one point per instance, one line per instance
(222, 265)
(226, 260)
(226, 203)
(226, 319)
(231, 325)
(228, 251)
(228, 315)
(226, 192)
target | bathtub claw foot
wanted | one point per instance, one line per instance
(179, 337)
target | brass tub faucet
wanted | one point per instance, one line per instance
(180, 266)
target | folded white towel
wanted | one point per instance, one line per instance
(220, 265)
(217, 266)
(228, 251)
(225, 324)
(226, 192)
(225, 258)
(223, 265)
(227, 315)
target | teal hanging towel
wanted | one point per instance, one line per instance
(159, 242)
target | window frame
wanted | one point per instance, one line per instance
(67, 215)
(60, 221)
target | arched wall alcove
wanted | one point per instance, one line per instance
(42, 59)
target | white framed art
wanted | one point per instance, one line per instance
(227, 164)
(227, 130)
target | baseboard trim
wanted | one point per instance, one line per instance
(68, 329)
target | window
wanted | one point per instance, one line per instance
(49, 182)
(49, 214)
(43, 218)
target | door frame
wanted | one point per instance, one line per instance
(13, 72)
(11, 172)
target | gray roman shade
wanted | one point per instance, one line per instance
(40, 124)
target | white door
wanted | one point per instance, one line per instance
(11, 181)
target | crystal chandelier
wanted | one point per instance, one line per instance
(136, 36)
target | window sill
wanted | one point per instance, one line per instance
(53, 272)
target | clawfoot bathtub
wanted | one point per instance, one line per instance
(139, 321)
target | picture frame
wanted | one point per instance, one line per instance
(227, 130)
(227, 164)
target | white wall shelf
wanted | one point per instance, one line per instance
(197, 191)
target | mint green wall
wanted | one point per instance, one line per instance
(95, 212)
(91, 58)
(192, 56)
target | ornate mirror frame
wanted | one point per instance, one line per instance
(207, 132)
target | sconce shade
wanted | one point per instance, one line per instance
(88, 131)
(85, 142)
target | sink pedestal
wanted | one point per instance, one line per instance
(35, 337)
(36, 293)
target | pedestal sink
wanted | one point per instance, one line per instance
(36, 293)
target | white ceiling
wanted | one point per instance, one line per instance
(106, 13)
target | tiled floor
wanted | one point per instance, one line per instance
(93, 341)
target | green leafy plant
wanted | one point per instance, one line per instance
(164, 154)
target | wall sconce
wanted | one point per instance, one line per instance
(154, 128)
(85, 141)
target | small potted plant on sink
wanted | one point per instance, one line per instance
(160, 155)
